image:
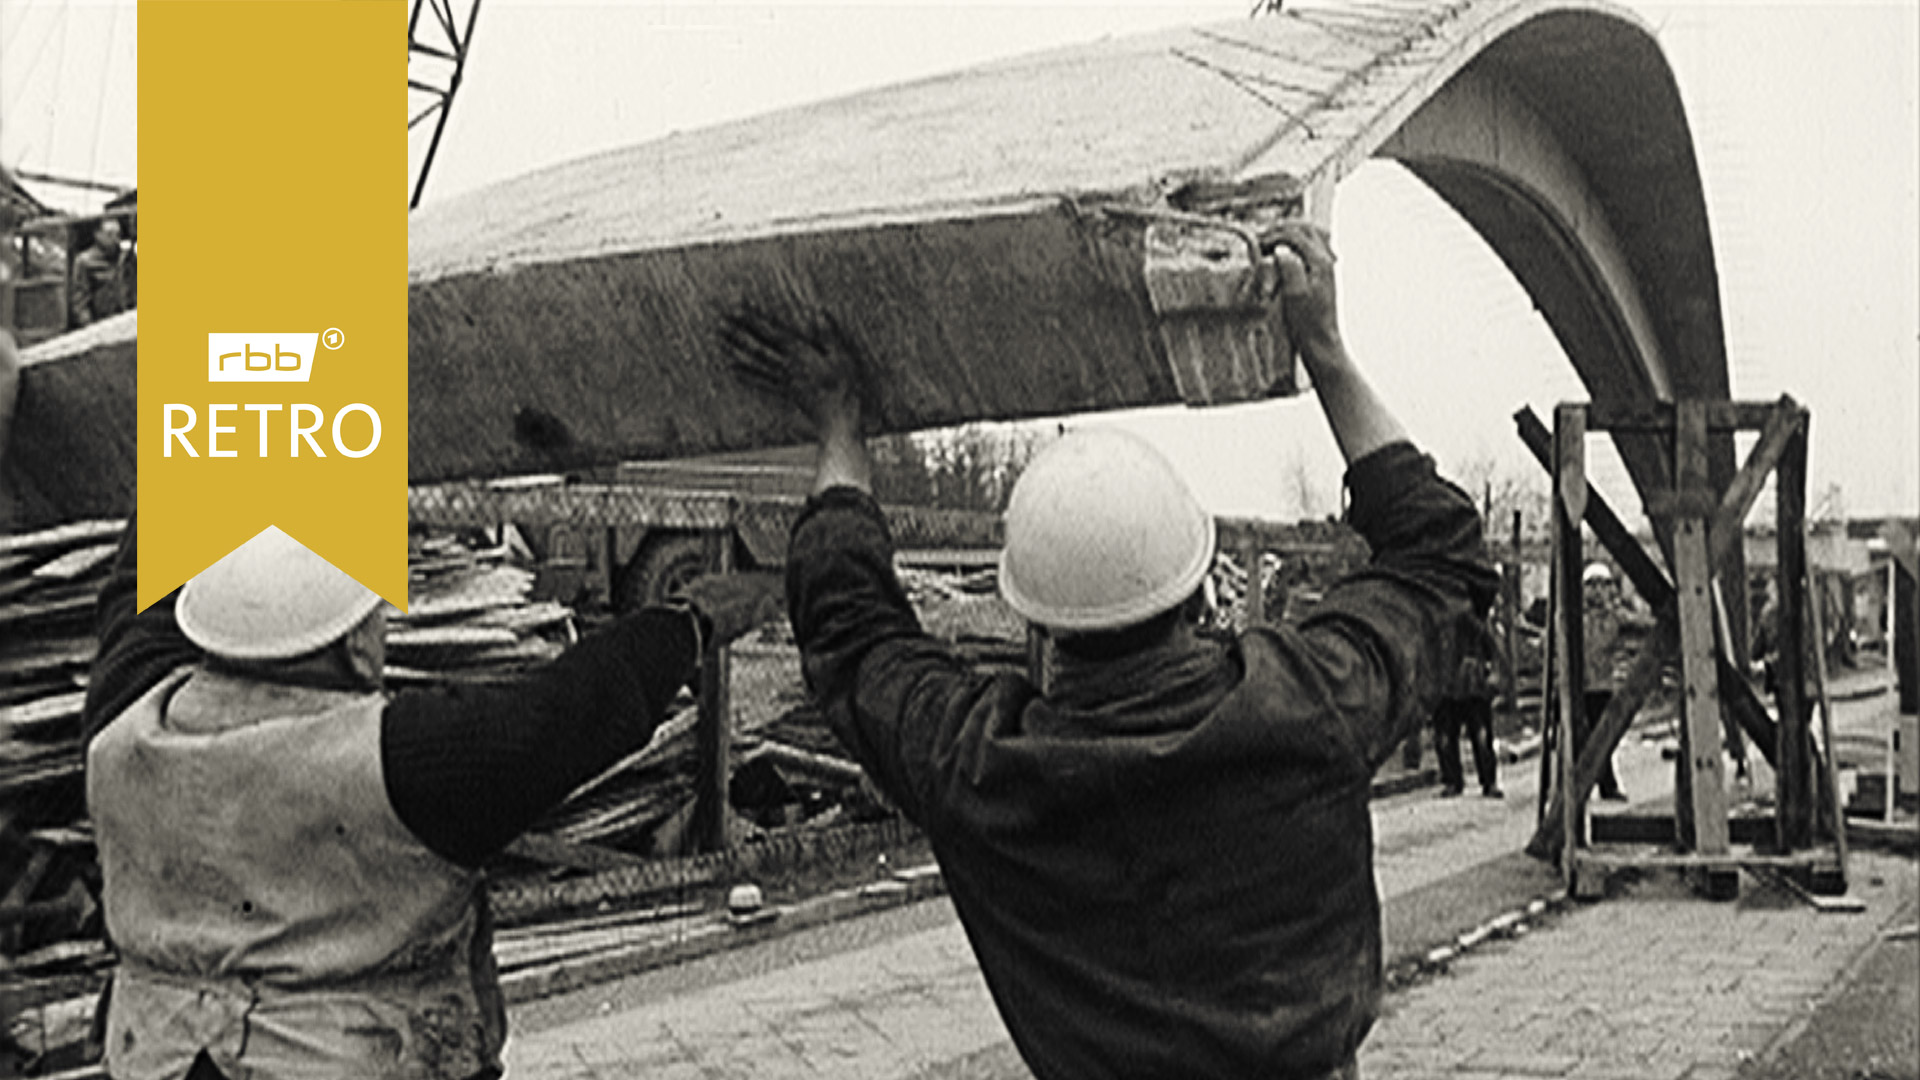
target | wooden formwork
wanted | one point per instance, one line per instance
(1701, 529)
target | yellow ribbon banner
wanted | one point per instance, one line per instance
(273, 349)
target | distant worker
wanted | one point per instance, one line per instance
(292, 858)
(1468, 706)
(1606, 658)
(1164, 862)
(103, 277)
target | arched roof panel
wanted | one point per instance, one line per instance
(983, 231)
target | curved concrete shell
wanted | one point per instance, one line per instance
(991, 235)
(1044, 235)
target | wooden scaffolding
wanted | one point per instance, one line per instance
(1701, 529)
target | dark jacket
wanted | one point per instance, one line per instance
(1165, 865)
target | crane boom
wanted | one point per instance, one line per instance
(436, 61)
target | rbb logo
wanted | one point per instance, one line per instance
(268, 358)
(262, 357)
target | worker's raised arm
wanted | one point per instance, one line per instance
(819, 370)
(1361, 422)
(469, 768)
(843, 596)
(1389, 631)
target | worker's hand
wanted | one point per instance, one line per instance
(818, 369)
(1305, 257)
(736, 603)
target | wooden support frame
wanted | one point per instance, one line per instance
(1653, 585)
(1704, 534)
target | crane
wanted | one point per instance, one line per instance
(440, 52)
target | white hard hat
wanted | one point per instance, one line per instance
(1102, 533)
(270, 599)
(1595, 572)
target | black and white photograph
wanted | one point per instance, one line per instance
(1324, 539)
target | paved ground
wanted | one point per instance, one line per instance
(1653, 983)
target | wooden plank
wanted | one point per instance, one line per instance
(1547, 838)
(817, 767)
(1658, 828)
(1836, 814)
(43, 712)
(76, 563)
(1702, 804)
(46, 655)
(59, 538)
(1657, 417)
(1570, 496)
(450, 637)
(1794, 771)
(1812, 860)
(1738, 499)
(47, 604)
(713, 734)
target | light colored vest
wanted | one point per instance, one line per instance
(267, 904)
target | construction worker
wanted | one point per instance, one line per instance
(1164, 860)
(292, 859)
(103, 279)
(1468, 705)
(1600, 637)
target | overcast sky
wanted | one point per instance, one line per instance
(1806, 118)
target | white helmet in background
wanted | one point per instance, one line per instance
(1102, 533)
(1595, 572)
(271, 599)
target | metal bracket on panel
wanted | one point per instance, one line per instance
(1216, 293)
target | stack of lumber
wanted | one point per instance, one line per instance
(49, 582)
(470, 616)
